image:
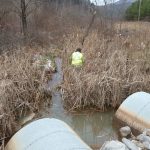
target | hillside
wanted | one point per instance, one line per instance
(125, 1)
(132, 12)
(115, 10)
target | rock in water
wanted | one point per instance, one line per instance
(138, 144)
(114, 145)
(143, 138)
(129, 144)
(146, 132)
(125, 131)
(27, 118)
(146, 145)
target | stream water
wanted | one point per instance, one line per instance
(93, 127)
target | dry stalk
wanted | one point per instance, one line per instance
(20, 91)
(115, 68)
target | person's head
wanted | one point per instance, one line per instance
(78, 50)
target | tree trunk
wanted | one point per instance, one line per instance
(24, 18)
(90, 24)
(139, 15)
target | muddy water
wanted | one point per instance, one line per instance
(93, 127)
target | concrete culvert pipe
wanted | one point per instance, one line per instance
(135, 111)
(46, 134)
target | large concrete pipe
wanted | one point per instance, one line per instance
(46, 134)
(135, 111)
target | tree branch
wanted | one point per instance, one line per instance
(3, 14)
(27, 4)
(15, 6)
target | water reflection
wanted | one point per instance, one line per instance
(94, 128)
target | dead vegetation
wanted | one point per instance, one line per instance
(116, 66)
(20, 91)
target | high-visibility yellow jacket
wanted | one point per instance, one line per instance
(77, 59)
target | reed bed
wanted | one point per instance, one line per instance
(115, 67)
(20, 91)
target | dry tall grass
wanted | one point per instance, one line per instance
(115, 67)
(19, 91)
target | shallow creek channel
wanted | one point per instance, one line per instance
(93, 127)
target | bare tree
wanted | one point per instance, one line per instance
(24, 17)
(93, 11)
(4, 9)
(24, 8)
(2, 14)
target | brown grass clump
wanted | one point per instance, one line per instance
(115, 67)
(20, 92)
